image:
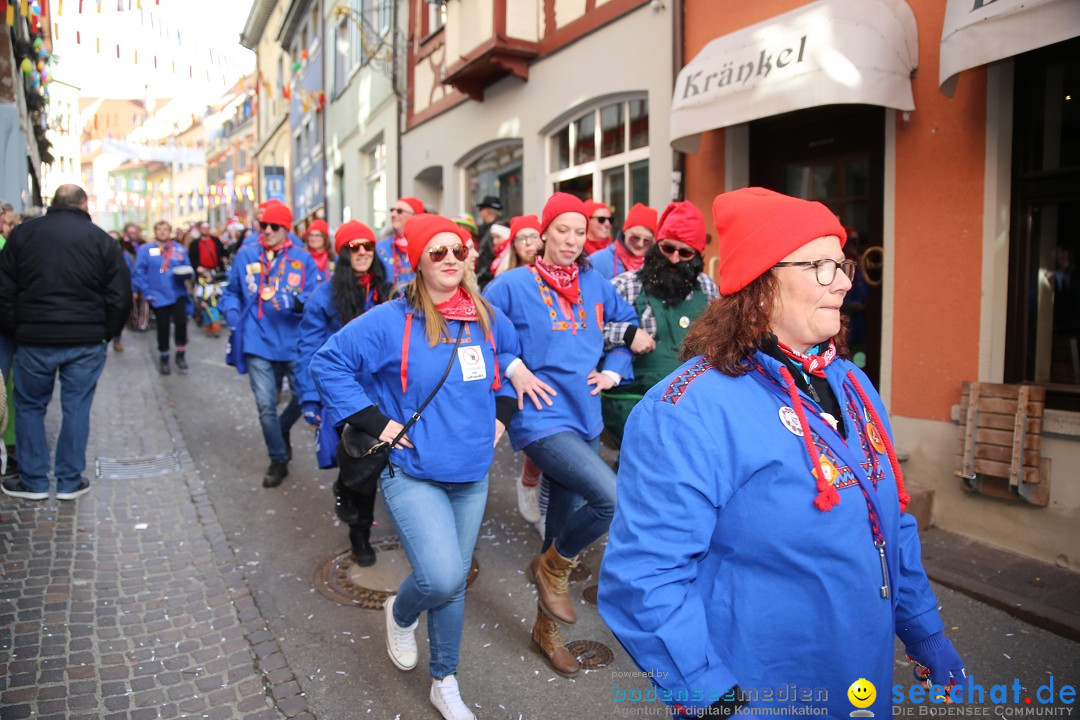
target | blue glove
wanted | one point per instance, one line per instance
(936, 654)
(284, 301)
(312, 412)
(232, 319)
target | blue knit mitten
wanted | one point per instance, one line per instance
(937, 655)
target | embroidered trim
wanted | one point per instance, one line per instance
(678, 386)
(556, 323)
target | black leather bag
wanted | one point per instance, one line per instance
(361, 456)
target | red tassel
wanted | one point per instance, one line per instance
(405, 353)
(827, 496)
(901, 489)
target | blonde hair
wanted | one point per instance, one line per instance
(417, 295)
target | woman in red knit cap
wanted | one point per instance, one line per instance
(779, 553)
(317, 242)
(627, 253)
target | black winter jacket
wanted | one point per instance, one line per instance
(63, 281)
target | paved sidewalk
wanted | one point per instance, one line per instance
(128, 603)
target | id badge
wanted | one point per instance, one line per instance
(472, 363)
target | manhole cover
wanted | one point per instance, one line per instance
(133, 468)
(591, 654)
(581, 572)
(590, 594)
(342, 581)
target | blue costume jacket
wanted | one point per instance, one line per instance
(720, 570)
(396, 262)
(321, 320)
(606, 262)
(271, 327)
(562, 352)
(154, 277)
(455, 436)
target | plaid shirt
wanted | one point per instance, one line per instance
(628, 284)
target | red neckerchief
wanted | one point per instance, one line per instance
(630, 261)
(208, 254)
(401, 244)
(166, 254)
(500, 251)
(811, 364)
(592, 245)
(364, 281)
(459, 307)
(563, 280)
(322, 259)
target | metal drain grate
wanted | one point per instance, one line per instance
(133, 468)
(591, 654)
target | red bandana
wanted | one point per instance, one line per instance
(811, 364)
(364, 281)
(563, 280)
(459, 307)
(592, 245)
(322, 259)
(401, 244)
(630, 261)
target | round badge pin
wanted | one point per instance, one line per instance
(267, 293)
(828, 469)
(684, 322)
(791, 420)
(874, 437)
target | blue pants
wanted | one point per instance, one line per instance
(266, 380)
(34, 375)
(582, 490)
(437, 524)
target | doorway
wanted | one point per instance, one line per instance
(836, 155)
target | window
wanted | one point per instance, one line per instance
(498, 173)
(375, 164)
(434, 18)
(1044, 264)
(604, 153)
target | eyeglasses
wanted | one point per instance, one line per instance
(670, 248)
(825, 270)
(272, 227)
(640, 238)
(401, 211)
(438, 253)
(355, 245)
(602, 218)
(527, 239)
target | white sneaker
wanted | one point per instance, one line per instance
(446, 697)
(541, 526)
(400, 642)
(528, 497)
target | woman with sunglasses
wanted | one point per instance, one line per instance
(435, 487)
(559, 307)
(627, 253)
(779, 550)
(317, 243)
(358, 284)
(393, 249)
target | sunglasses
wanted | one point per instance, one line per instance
(602, 219)
(438, 253)
(401, 211)
(669, 248)
(273, 227)
(355, 245)
(640, 238)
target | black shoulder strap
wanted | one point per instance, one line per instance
(446, 373)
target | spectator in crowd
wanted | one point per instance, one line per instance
(393, 249)
(627, 253)
(598, 234)
(490, 210)
(162, 273)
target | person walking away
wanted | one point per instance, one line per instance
(559, 307)
(64, 293)
(779, 546)
(357, 284)
(162, 270)
(393, 249)
(435, 486)
(269, 283)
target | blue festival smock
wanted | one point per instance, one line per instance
(396, 262)
(455, 436)
(154, 277)
(321, 319)
(607, 263)
(271, 327)
(720, 570)
(562, 352)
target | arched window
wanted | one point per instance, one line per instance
(496, 172)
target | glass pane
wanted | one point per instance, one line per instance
(498, 173)
(615, 196)
(560, 149)
(581, 186)
(639, 124)
(639, 182)
(857, 178)
(612, 132)
(585, 139)
(1054, 310)
(1055, 100)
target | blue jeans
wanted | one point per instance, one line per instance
(34, 375)
(582, 490)
(266, 378)
(437, 524)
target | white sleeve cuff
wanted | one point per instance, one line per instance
(512, 367)
(613, 375)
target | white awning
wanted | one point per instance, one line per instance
(977, 32)
(828, 52)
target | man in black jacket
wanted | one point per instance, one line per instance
(64, 292)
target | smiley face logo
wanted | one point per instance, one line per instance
(862, 693)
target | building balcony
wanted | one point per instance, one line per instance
(490, 62)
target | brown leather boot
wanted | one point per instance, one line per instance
(547, 641)
(551, 573)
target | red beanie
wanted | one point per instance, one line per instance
(558, 204)
(521, 222)
(591, 206)
(415, 203)
(352, 230)
(277, 214)
(318, 225)
(758, 228)
(267, 203)
(641, 215)
(682, 221)
(421, 228)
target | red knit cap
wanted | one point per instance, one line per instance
(421, 228)
(758, 228)
(521, 222)
(318, 225)
(682, 221)
(591, 206)
(558, 204)
(277, 214)
(415, 203)
(267, 203)
(352, 230)
(641, 215)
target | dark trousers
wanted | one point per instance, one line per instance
(175, 314)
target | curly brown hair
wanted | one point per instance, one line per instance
(732, 326)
